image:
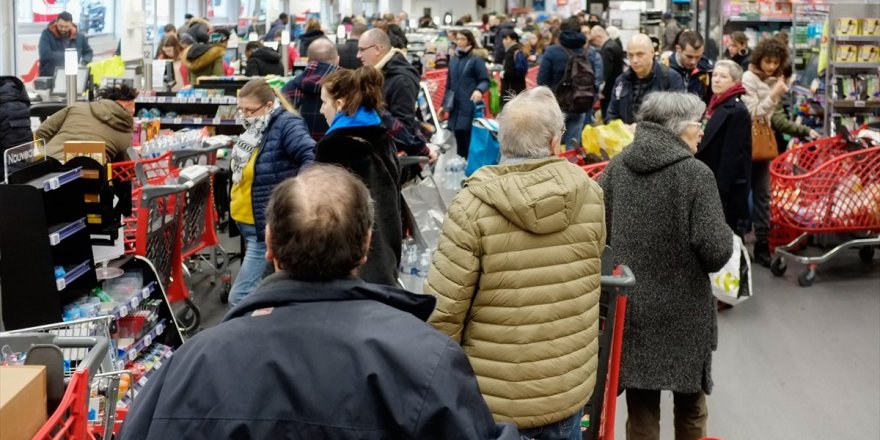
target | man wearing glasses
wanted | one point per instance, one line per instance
(401, 87)
(60, 35)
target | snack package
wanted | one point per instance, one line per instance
(869, 53)
(871, 27)
(848, 26)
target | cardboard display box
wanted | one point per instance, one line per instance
(22, 401)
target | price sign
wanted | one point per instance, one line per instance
(860, 104)
(160, 100)
(136, 301)
(123, 311)
(157, 365)
(60, 284)
(54, 239)
(54, 183)
(216, 121)
(197, 120)
(178, 120)
(148, 340)
(192, 100)
(132, 355)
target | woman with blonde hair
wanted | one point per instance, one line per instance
(275, 145)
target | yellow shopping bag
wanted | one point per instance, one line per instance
(606, 141)
(112, 67)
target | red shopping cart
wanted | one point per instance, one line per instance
(595, 170)
(828, 186)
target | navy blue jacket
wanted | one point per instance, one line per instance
(286, 148)
(622, 105)
(697, 81)
(341, 359)
(555, 58)
(52, 46)
(465, 74)
(726, 148)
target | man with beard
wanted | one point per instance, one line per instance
(60, 35)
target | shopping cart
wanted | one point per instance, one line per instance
(595, 170)
(82, 385)
(825, 187)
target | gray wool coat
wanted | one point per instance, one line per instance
(664, 221)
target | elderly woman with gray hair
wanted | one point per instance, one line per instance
(665, 221)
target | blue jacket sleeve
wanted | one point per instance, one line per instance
(598, 69)
(545, 70)
(47, 54)
(481, 74)
(676, 82)
(297, 142)
(614, 106)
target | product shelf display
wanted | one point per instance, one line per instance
(852, 76)
(202, 107)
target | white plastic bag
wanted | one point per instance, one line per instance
(733, 283)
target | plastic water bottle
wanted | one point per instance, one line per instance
(424, 264)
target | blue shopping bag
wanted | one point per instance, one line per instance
(484, 148)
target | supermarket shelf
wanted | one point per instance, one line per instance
(759, 19)
(55, 180)
(59, 232)
(72, 275)
(856, 38)
(175, 100)
(132, 304)
(847, 104)
(142, 382)
(838, 65)
(196, 121)
(135, 349)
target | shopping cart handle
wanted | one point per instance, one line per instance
(625, 279)
(150, 192)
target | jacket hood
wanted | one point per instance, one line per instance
(53, 28)
(112, 114)
(653, 148)
(201, 55)
(361, 118)
(572, 40)
(542, 196)
(309, 81)
(266, 54)
(398, 65)
(12, 89)
(280, 289)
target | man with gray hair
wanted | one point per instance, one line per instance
(304, 91)
(516, 274)
(401, 87)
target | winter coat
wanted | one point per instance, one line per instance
(665, 222)
(15, 118)
(552, 67)
(202, 59)
(624, 103)
(497, 46)
(369, 153)
(726, 148)
(304, 92)
(264, 61)
(305, 40)
(516, 276)
(758, 99)
(340, 359)
(52, 46)
(513, 82)
(465, 74)
(697, 81)
(285, 149)
(401, 87)
(102, 121)
(742, 59)
(348, 54)
(612, 67)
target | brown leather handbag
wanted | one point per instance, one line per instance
(763, 141)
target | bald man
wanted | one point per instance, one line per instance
(401, 87)
(612, 61)
(304, 91)
(643, 77)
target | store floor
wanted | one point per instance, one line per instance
(792, 363)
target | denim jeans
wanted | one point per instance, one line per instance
(574, 126)
(566, 429)
(252, 265)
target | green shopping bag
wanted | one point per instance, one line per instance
(494, 97)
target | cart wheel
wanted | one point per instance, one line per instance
(191, 318)
(778, 266)
(866, 253)
(806, 277)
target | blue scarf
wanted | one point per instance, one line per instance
(361, 118)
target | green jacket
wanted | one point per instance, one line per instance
(103, 120)
(203, 59)
(779, 122)
(516, 277)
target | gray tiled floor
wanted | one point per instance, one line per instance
(792, 363)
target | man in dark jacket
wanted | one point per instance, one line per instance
(15, 121)
(323, 354)
(497, 47)
(401, 87)
(348, 51)
(277, 26)
(304, 91)
(695, 69)
(644, 76)
(552, 71)
(612, 61)
(516, 66)
(262, 61)
(61, 34)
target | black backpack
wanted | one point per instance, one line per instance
(576, 92)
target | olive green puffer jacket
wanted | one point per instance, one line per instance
(516, 276)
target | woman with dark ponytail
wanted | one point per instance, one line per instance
(356, 140)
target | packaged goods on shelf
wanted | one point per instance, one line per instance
(869, 53)
(848, 26)
(871, 27)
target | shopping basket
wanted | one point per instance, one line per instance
(827, 186)
(74, 414)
